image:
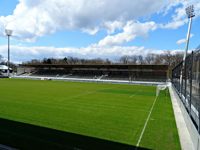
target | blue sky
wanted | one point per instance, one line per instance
(95, 28)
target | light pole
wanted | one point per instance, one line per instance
(190, 14)
(8, 33)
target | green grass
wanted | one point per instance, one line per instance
(107, 111)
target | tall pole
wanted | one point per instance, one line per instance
(8, 62)
(8, 33)
(190, 14)
(188, 39)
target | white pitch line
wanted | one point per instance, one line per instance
(132, 95)
(145, 125)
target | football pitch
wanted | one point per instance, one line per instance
(48, 111)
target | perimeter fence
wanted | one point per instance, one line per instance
(188, 86)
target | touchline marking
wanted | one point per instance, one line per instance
(145, 125)
(132, 95)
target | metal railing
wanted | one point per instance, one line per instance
(188, 88)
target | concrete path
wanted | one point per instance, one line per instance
(185, 139)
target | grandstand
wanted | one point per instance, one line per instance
(107, 72)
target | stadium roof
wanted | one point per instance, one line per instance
(4, 67)
(90, 65)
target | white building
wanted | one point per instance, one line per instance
(3, 70)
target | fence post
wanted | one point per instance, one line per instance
(191, 74)
(186, 76)
(181, 81)
(191, 68)
(181, 91)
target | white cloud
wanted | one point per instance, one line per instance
(180, 18)
(182, 41)
(91, 31)
(35, 18)
(113, 53)
(113, 26)
(130, 31)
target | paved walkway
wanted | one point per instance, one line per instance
(185, 139)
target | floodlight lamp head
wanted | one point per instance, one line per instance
(8, 32)
(190, 11)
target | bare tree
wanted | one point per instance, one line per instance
(133, 59)
(141, 60)
(1, 58)
(124, 59)
(150, 59)
(167, 58)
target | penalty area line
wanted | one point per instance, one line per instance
(146, 122)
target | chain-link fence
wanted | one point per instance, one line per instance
(187, 83)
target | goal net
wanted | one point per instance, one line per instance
(160, 88)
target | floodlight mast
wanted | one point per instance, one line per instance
(190, 14)
(8, 34)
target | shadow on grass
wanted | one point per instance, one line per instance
(30, 137)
